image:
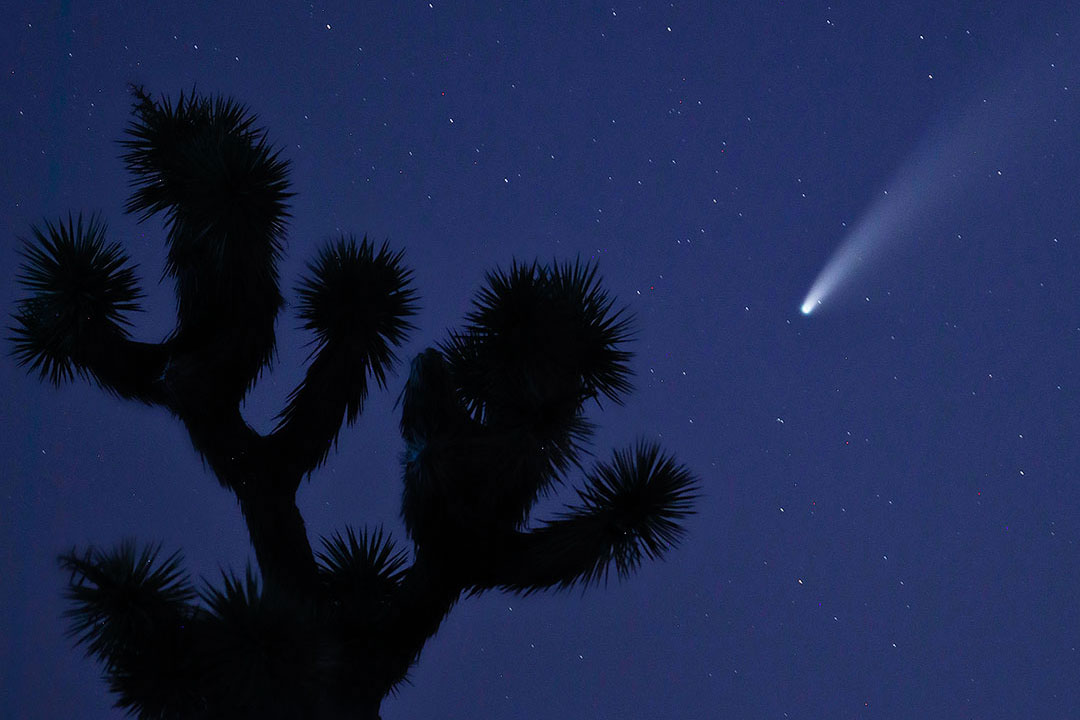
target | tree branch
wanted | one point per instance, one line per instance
(425, 595)
(223, 193)
(309, 426)
(357, 301)
(630, 509)
(75, 319)
(134, 614)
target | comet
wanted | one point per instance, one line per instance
(869, 239)
(993, 132)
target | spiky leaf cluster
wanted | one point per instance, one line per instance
(360, 570)
(539, 342)
(357, 296)
(204, 164)
(123, 598)
(357, 302)
(541, 338)
(223, 191)
(133, 614)
(629, 510)
(242, 655)
(80, 289)
(263, 655)
(360, 575)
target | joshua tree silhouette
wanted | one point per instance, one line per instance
(491, 418)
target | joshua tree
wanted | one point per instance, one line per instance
(492, 417)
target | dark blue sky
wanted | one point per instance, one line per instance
(890, 521)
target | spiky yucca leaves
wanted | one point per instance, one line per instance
(119, 596)
(637, 502)
(539, 337)
(360, 571)
(223, 192)
(361, 574)
(540, 341)
(631, 509)
(357, 303)
(81, 289)
(133, 614)
(222, 188)
(263, 655)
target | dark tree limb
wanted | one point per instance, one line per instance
(75, 320)
(424, 597)
(281, 544)
(631, 509)
(309, 427)
(357, 301)
(131, 370)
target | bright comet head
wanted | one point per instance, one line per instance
(813, 298)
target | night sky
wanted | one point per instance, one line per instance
(890, 519)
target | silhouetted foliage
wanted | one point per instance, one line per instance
(492, 418)
(81, 288)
